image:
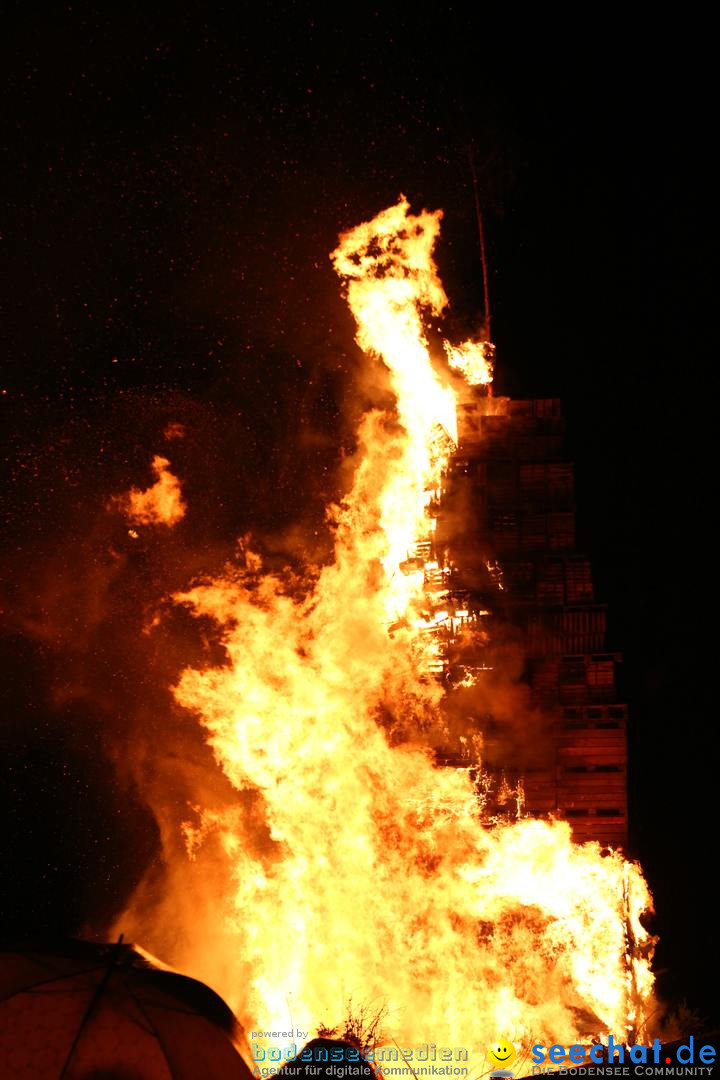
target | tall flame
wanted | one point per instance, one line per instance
(382, 883)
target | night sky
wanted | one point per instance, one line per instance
(172, 188)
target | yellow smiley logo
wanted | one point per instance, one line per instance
(502, 1053)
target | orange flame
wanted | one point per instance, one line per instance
(161, 504)
(382, 883)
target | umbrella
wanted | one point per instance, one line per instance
(76, 1011)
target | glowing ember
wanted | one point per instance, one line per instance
(382, 884)
(161, 504)
(473, 359)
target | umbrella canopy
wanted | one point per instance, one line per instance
(77, 1011)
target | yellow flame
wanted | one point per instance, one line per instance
(380, 881)
(473, 359)
(391, 277)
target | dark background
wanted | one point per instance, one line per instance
(173, 186)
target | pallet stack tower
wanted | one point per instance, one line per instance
(516, 558)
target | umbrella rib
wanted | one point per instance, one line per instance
(156, 1033)
(89, 1011)
(46, 982)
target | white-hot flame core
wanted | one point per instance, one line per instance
(382, 884)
